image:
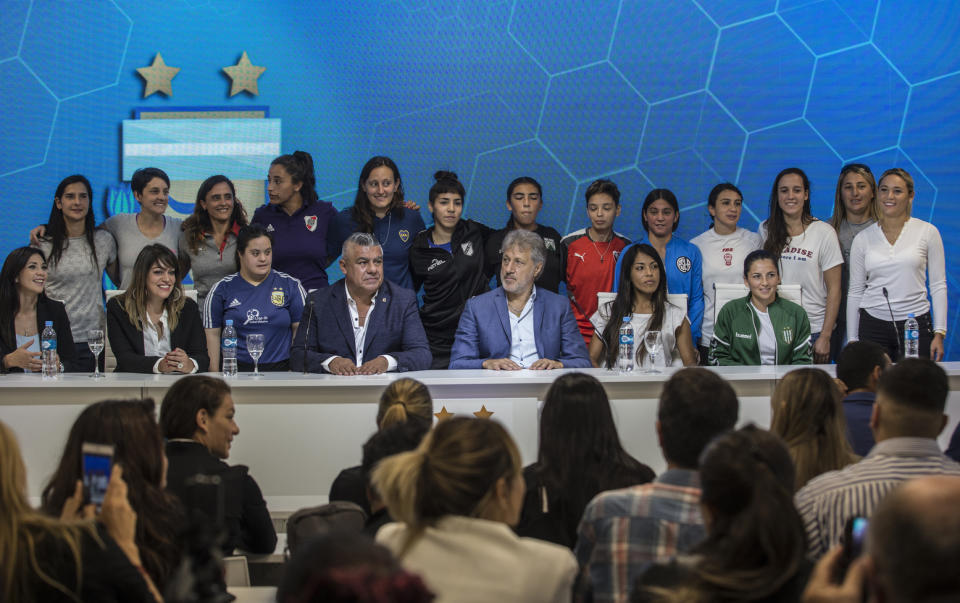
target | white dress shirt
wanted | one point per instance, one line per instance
(156, 345)
(360, 331)
(523, 339)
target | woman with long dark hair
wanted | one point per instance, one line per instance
(153, 326)
(77, 255)
(208, 245)
(300, 222)
(807, 253)
(24, 310)
(580, 456)
(643, 299)
(130, 426)
(379, 209)
(755, 549)
(525, 200)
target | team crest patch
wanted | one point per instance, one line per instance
(277, 297)
(684, 264)
(467, 248)
(616, 255)
(550, 244)
(404, 235)
(311, 222)
(787, 335)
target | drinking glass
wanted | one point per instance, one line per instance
(651, 341)
(255, 349)
(95, 343)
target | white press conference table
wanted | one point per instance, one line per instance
(298, 431)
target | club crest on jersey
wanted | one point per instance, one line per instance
(277, 297)
(684, 264)
(787, 335)
(467, 248)
(728, 259)
(550, 244)
(311, 222)
(616, 255)
(404, 235)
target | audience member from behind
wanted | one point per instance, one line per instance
(197, 418)
(52, 560)
(656, 521)
(348, 568)
(859, 367)
(580, 456)
(907, 418)
(129, 426)
(913, 550)
(403, 400)
(457, 495)
(808, 417)
(390, 440)
(754, 549)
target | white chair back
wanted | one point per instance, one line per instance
(725, 292)
(236, 572)
(677, 299)
(109, 360)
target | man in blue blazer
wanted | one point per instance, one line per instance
(362, 324)
(518, 325)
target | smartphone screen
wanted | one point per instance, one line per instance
(97, 462)
(854, 536)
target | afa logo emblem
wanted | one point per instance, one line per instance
(684, 264)
(404, 235)
(277, 297)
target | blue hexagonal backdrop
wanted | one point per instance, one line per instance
(679, 93)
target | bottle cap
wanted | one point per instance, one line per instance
(49, 323)
(229, 322)
(626, 319)
(910, 316)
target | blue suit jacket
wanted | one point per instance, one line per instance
(484, 331)
(393, 328)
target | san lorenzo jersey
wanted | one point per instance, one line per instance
(269, 308)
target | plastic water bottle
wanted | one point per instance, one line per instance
(228, 349)
(48, 351)
(911, 337)
(625, 357)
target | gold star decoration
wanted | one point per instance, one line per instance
(157, 77)
(443, 415)
(244, 75)
(483, 413)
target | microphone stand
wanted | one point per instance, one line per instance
(893, 321)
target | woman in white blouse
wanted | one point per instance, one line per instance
(889, 265)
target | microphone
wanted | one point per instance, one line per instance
(306, 333)
(896, 333)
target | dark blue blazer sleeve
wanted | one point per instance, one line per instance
(414, 353)
(465, 352)
(573, 350)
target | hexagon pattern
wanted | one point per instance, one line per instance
(674, 93)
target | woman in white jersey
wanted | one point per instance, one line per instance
(889, 265)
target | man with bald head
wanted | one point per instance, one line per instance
(913, 550)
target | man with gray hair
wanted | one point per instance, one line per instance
(362, 324)
(518, 325)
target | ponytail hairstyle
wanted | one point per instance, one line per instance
(402, 399)
(199, 221)
(454, 471)
(362, 212)
(907, 179)
(655, 195)
(300, 167)
(514, 184)
(56, 232)
(808, 416)
(622, 305)
(715, 194)
(756, 541)
(446, 182)
(777, 234)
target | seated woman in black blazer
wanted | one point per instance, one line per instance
(197, 421)
(24, 308)
(153, 326)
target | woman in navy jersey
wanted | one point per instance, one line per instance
(379, 209)
(258, 299)
(447, 261)
(297, 220)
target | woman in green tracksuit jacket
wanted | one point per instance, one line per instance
(761, 328)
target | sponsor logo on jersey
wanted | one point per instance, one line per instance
(234, 303)
(404, 235)
(467, 248)
(253, 317)
(277, 297)
(311, 222)
(787, 335)
(684, 264)
(582, 256)
(744, 336)
(436, 262)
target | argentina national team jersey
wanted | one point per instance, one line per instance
(269, 308)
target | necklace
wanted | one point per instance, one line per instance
(602, 255)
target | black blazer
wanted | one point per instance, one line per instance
(126, 341)
(47, 309)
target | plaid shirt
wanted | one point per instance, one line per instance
(624, 531)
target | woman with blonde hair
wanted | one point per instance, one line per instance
(402, 401)
(64, 559)
(457, 496)
(808, 417)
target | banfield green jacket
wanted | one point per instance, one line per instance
(736, 331)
